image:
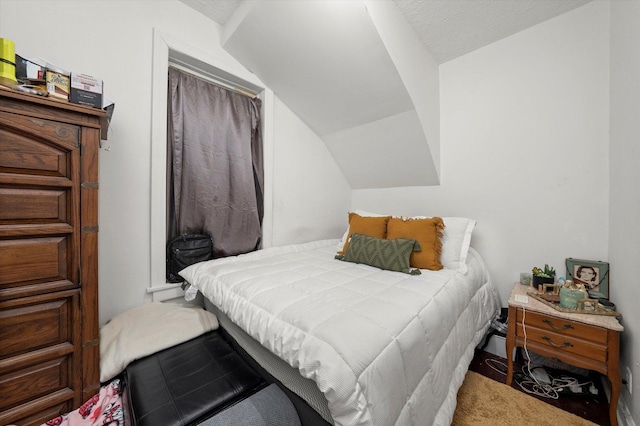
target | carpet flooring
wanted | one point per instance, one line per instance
(486, 402)
(592, 408)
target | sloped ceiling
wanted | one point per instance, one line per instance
(316, 54)
(363, 74)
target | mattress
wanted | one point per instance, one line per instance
(382, 347)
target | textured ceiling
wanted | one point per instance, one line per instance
(218, 10)
(454, 28)
(449, 28)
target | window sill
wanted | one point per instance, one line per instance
(166, 291)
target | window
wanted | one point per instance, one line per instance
(214, 164)
(168, 50)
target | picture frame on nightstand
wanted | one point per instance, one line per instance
(593, 274)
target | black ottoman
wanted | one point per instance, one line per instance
(188, 383)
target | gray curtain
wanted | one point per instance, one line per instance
(214, 164)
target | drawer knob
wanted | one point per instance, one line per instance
(550, 324)
(555, 345)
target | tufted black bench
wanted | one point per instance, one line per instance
(202, 381)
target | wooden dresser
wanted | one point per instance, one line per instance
(49, 331)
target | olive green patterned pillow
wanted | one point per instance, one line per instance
(391, 255)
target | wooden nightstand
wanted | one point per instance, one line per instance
(583, 340)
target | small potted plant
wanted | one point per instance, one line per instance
(542, 276)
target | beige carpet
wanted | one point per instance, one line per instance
(483, 401)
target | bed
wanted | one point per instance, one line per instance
(367, 346)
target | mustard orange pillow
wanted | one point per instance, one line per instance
(427, 232)
(372, 226)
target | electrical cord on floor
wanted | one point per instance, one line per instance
(530, 385)
(494, 363)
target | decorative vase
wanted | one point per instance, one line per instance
(569, 298)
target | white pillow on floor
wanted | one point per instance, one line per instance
(147, 329)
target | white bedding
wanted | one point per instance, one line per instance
(384, 347)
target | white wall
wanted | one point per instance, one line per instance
(311, 195)
(524, 147)
(112, 40)
(524, 144)
(624, 228)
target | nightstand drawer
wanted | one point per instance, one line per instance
(564, 327)
(564, 343)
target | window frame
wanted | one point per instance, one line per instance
(168, 50)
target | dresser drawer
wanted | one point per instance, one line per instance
(39, 354)
(33, 323)
(25, 261)
(41, 415)
(19, 205)
(35, 381)
(591, 333)
(27, 154)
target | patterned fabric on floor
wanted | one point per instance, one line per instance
(104, 408)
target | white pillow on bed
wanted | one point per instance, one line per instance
(147, 329)
(456, 239)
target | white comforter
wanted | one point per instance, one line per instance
(384, 347)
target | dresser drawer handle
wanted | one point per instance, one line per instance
(550, 324)
(555, 345)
